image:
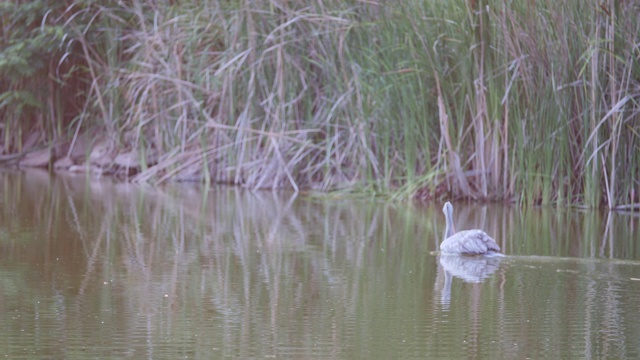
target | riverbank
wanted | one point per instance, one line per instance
(526, 102)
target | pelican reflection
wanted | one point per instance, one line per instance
(471, 269)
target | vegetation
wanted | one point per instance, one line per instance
(527, 101)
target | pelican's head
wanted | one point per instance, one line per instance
(447, 209)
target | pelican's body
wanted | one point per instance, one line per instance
(468, 242)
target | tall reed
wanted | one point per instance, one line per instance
(534, 102)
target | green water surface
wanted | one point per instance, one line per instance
(92, 268)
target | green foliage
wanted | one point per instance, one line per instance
(27, 46)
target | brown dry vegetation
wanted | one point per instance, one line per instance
(526, 101)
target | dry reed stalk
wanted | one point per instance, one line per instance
(594, 59)
(480, 115)
(454, 159)
(613, 92)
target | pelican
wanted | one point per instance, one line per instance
(467, 242)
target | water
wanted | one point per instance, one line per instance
(97, 269)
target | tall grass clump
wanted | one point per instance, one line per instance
(527, 101)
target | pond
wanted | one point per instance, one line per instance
(92, 268)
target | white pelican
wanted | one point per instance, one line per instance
(467, 242)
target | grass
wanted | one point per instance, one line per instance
(532, 102)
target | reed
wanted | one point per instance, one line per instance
(532, 102)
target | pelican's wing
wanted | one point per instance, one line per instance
(469, 242)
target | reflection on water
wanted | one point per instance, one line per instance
(471, 269)
(101, 269)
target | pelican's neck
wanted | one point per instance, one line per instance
(449, 230)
